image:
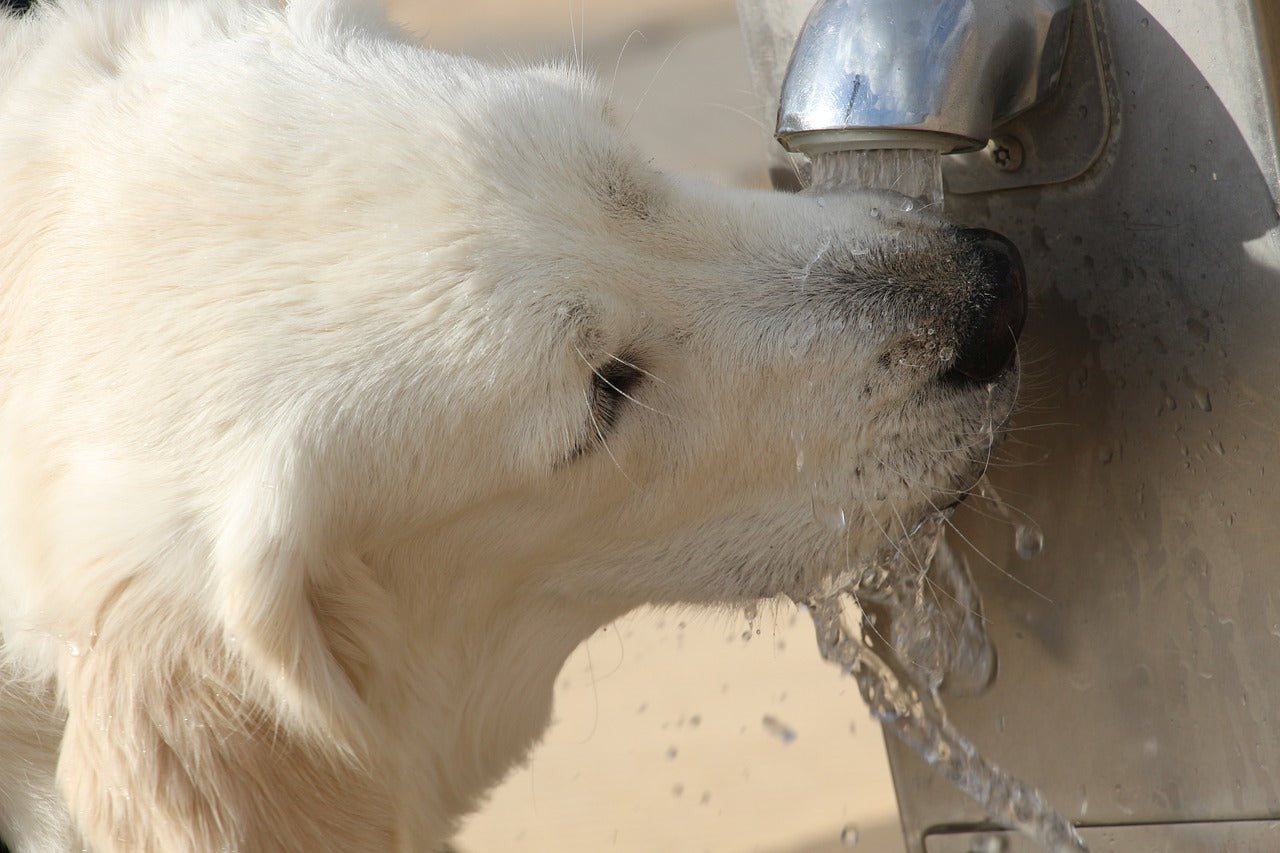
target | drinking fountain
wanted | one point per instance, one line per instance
(1131, 149)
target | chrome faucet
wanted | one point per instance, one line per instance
(917, 74)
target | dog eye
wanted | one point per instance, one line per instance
(612, 384)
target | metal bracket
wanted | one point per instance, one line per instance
(1054, 141)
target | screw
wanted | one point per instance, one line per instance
(1006, 153)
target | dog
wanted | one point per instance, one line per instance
(346, 386)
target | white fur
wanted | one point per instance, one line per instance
(302, 502)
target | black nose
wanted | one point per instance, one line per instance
(989, 337)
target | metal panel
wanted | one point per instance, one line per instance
(1140, 673)
(1257, 836)
(1140, 652)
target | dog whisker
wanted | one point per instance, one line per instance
(652, 80)
(613, 81)
(621, 391)
(604, 442)
(636, 367)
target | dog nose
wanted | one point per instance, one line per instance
(989, 339)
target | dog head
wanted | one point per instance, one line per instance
(677, 392)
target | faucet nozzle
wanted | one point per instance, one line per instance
(931, 74)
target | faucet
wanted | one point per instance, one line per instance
(937, 75)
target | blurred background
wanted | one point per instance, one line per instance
(677, 731)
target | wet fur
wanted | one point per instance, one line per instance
(309, 482)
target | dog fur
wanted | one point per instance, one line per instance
(346, 386)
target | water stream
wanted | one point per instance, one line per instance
(906, 626)
(910, 623)
(915, 173)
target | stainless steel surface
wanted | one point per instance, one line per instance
(1250, 836)
(1139, 673)
(1144, 686)
(937, 74)
(1060, 137)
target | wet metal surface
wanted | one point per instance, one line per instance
(1139, 653)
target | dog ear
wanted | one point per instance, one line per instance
(312, 625)
(235, 718)
(171, 744)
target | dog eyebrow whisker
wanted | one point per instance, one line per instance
(617, 65)
(638, 368)
(604, 442)
(595, 370)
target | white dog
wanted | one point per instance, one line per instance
(345, 386)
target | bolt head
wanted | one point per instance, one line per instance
(1006, 153)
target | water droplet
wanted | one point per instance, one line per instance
(73, 648)
(820, 201)
(1201, 399)
(1198, 330)
(746, 636)
(874, 213)
(1028, 540)
(829, 515)
(799, 459)
(946, 354)
(800, 336)
(751, 611)
(849, 835)
(778, 729)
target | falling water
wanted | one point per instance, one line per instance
(921, 629)
(915, 173)
(916, 615)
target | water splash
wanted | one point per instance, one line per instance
(918, 628)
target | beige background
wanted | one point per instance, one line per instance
(673, 732)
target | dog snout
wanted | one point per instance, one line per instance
(989, 336)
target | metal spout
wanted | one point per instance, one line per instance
(921, 74)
